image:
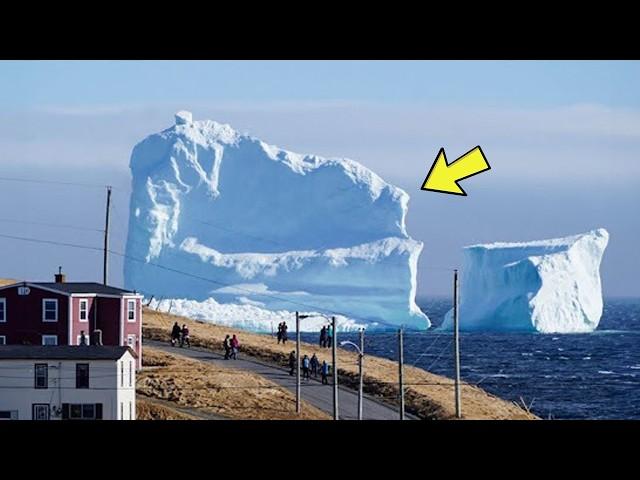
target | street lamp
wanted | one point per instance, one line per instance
(334, 359)
(360, 350)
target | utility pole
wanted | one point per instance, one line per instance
(400, 377)
(298, 409)
(105, 270)
(456, 342)
(360, 389)
(334, 353)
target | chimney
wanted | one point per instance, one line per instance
(60, 277)
(97, 337)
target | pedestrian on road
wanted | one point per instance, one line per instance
(227, 347)
(292, 362)
(329, 336)
(323, 336)
(185, 336)
(325, 372)
(175, 334)
(284, 332)
(279, 332)
(314, 365)
(305, 367)
(235, 345)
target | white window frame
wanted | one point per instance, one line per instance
(44, 302)
(3, 339)
(3, 302)
(49, 336)
(135, 307)
(84, 302)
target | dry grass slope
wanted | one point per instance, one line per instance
(427, 395)
(223, 391)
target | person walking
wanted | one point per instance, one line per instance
(323, 336)
(284, 332)
(227, 347)
(185, 336)
(235, 345)
(279, 333)
(292, 362)
(175, 334)
(329, 336)
(324, 371)
(305, 367)
(314, 365)
(83, 338)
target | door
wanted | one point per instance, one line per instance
(40, 411)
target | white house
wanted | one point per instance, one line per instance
(65, 382)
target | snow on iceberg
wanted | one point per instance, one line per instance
(549, 286)
(267, 228)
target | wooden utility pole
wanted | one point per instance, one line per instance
(456, 343)
(298, 407)
(334, 354)
(400, 376)
(105, 270)
(360, 368)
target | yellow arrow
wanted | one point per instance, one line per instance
(444, 177)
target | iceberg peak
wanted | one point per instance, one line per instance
(229, 207)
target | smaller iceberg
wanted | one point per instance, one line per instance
(548, 286)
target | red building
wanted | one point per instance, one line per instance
(58, 313)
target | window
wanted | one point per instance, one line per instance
(131, 310)
(49, 340)
(41, 375)
(131, 341)
(122, 374)
(130, 411)
(8, 415)
(3, 340)
(49, 310)
(130, 373)
(82, 411)
(121, 411)
(3, 310)
(40, 411)
(84, 310)
(82, 375)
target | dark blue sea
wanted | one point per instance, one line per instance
(569, 376)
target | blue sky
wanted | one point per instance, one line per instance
(562, 138)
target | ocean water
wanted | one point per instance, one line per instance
(559, 376)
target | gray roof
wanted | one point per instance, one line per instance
(62, 352)
(83, 287)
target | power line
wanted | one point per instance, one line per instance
(55, 182)
(54, 225)
(50, 242)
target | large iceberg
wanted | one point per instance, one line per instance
(256, 225)
(549, 286)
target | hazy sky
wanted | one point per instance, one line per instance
(562, 139)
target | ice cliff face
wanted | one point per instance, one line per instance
(268, 227)
(550, 286)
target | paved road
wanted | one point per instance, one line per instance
(312, 391)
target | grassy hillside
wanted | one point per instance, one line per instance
(428, 395)
(223, 391)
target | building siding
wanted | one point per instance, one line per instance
(24, 323)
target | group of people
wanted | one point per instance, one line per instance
(310, 366)
(326, 336)
(180, 335)
(282, 332)
(231, 347)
